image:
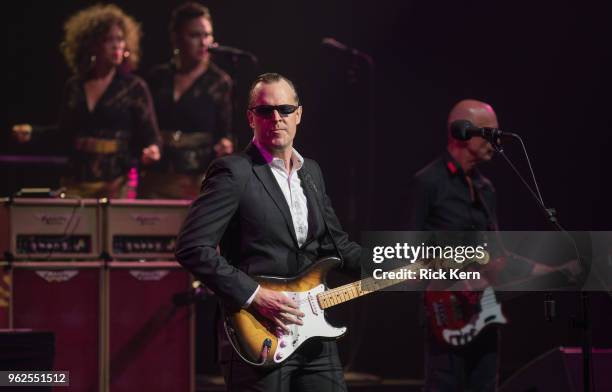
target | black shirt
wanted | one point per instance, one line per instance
(123, 115)
(202, 115)
(441, 202)
(441, 199)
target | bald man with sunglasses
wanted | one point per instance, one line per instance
(267, 210)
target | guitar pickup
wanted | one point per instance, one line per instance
(313, 304)
(440, 313)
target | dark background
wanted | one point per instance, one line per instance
(543, 66)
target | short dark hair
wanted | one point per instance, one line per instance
(186, 12)
(269, 78)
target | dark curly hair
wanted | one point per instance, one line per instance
(84, 29)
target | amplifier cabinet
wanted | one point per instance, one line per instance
(65, 298)
(45, 229)
(150, 337)
(143, 229)
(118, 326)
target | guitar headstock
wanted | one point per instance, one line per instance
(450, 263)
(482, 260)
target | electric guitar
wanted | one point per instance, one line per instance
(256, 340)
(457, 317)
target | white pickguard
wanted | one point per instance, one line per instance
(315, 324)
(490, 313)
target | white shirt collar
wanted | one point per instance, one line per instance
(296, 158)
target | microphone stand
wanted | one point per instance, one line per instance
(551, 214)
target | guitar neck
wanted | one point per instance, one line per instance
(369, 285)
(365, 286)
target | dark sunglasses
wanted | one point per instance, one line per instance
(268, 110)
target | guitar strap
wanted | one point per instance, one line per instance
(310, 183)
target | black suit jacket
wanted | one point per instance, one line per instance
(242, 208)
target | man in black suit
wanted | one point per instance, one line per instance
(267, 210)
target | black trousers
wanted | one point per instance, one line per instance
(472, 368)
(315, 367)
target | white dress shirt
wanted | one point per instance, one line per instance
(290, 185)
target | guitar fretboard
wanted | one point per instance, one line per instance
(369, 285)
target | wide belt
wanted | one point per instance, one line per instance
(178, 139)
(96, 145)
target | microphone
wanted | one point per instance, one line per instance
(465, 130)
(221, 49)
(335, 44)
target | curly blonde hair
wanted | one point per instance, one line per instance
(84, 29)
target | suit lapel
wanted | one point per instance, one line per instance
(267, 179)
